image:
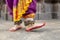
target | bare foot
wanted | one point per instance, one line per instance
(15, 28)
(35, 27)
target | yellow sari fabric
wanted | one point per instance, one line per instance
(20, 9)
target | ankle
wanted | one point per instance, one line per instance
(29, 22)
(17, 22)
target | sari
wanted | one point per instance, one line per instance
(18, 8)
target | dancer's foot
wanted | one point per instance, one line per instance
(35, 27)
(15, 28)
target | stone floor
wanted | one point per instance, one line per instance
(50, 32)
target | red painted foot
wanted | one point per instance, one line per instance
(13, 29)
(36, 27)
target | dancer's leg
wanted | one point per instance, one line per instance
(30, 22)
(16, 17)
